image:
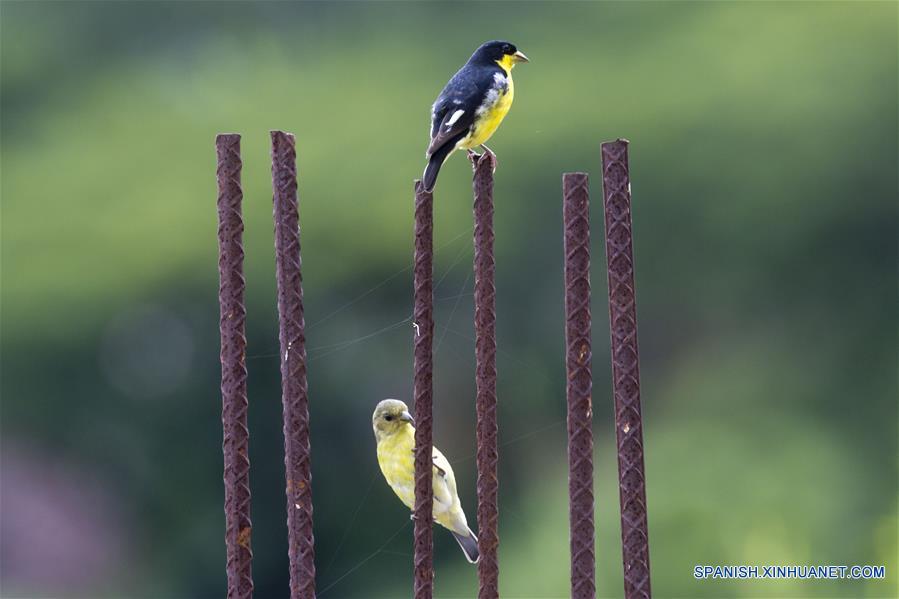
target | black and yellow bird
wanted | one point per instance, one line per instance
(472, 105)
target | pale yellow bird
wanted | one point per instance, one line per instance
(395, 433)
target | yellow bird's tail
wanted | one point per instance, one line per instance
(469, 545)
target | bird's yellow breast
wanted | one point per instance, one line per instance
(397, 462)
(486, 123)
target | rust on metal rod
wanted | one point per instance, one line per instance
(576, 217)
(236, 437)
(294, 391)
(423, 388)
(485, 358)
(625, 368)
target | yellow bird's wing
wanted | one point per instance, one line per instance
(444, 480)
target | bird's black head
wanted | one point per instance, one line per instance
(498, 52)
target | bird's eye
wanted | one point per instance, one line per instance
(388, 418)
(509, 49)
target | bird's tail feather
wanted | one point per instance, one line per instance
(430, 176)
(437, 159)
(469, 545)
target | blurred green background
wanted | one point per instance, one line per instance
(764, 166)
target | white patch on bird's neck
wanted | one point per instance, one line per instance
(500, 86)
(489, 100)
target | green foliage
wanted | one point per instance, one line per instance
(764, 165)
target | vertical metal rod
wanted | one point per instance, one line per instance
(423, 386)
(625, 368)
(236, 437)
(576, 217)
(485, 357)
(294, 392)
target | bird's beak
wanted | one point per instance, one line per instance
(519, 57)
(407, 417)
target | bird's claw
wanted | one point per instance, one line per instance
(495, 161)
(474, 157)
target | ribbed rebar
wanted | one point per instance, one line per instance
(236, 437)
(625, 368)
(485, 358)
(576, 217)
(294, 392)
(423, 386)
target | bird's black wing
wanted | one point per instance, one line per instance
(446, 130)
(455, 109)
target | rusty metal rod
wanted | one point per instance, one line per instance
(485, 357)
(423, 388)
(576, 217)
(625, 368)
(294, 391)
(236, 437)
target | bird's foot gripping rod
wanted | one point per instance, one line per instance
(476, 158)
